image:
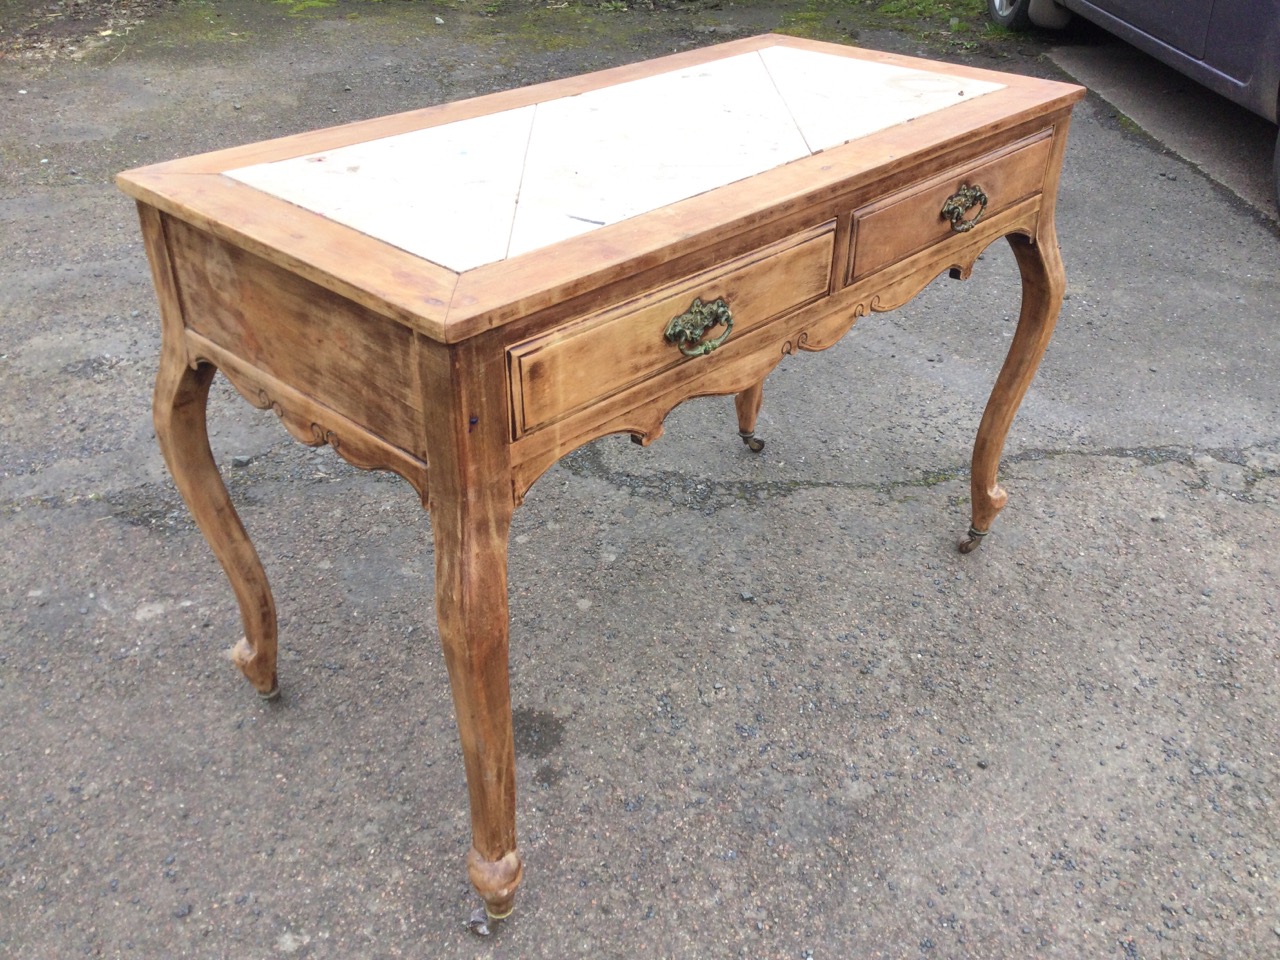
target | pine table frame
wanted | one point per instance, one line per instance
(471, 384)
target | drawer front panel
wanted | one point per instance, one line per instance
(894, 228)
(557, 373)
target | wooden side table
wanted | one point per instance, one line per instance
(465, 293)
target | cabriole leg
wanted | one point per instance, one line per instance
(471, 602)
(471, 504)
(1043, 282)
(181, 398)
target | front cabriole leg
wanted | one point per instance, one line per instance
(471, 501)
(471, 603)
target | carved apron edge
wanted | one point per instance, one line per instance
(361, 449)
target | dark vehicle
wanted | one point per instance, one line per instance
(1230, 46)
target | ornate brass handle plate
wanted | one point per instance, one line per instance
(687, 330)
(960, 203)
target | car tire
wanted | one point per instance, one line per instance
(1010, 14)
(1048, 14)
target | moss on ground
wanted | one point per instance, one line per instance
(955, 22)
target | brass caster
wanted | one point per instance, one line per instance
(754, 443)
(496, 882)
(482, 923)
(272, 694)
(971, 542)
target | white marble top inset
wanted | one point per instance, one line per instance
(477, 191)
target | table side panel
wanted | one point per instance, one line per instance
(340, 354)
(897, 226)
(561, 371)
(308, 421)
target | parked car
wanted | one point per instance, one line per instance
(1230, 46)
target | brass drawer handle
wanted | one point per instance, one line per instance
(688, 329)
(960, 203)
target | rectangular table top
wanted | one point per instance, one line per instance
(459, 218)
(479, 190)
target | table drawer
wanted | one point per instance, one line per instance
(557, 373)
(909, 221)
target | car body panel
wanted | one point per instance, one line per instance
(1237, 53)
(1182, 24)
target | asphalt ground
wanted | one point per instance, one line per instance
(763, 707)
